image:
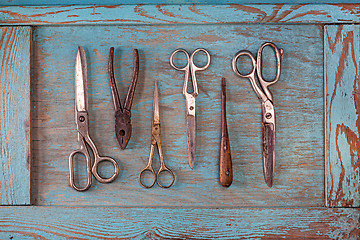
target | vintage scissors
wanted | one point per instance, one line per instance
(190, 69)
(82, 122)
(268, 112)
(155, 139)
(122, 114)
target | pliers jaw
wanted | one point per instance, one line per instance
(123, 127)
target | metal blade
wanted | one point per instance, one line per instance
(81, 100)
(131, 91)
(156, 115)
(269, 152)
(191, 138)
(114, 91)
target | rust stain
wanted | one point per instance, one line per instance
(73, 15)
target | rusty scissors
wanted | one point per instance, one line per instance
(155, 139)
(268, 112)
(190, 69)
(82, 122)
(123, 127)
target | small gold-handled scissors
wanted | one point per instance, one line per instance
(82, 122)
(268, 112)
(123, 126)
(155, 139)
(190, 69)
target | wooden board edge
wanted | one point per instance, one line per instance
(180, 14)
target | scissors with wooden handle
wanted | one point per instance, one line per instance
(268, 112)
(123, 127)
(190, 69)
(156, 140)
(82, 122)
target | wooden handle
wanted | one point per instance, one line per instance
(225, 163)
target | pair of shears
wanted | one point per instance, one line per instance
(123, 126)
(82, 122)
(190, 69)
(156, 140)
(268, 112)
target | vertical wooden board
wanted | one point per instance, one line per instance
(298, 98)
(342, 46)
(15, 115)
(342, 64)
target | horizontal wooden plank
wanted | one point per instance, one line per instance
(115, 2)
(180, 14)
(159, 223)
(298, 97)
(342, 111)
(15, 115)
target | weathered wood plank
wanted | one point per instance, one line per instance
(199, 2)
(15, 115)
(160, 223)
(342, 115)
(298, 96)
(180, 14)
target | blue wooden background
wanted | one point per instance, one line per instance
(306, 96)
(298, 104)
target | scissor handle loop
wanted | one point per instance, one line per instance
(278, 55)
(162, 170)
(95, 169)
(251, 74)
(148, 168)
(186, 67)
(72, 184)
(194, 66)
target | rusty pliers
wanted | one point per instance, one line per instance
(123, 125)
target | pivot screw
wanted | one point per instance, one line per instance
(268, 115)
(82, 118)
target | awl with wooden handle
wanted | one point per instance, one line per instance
(225, 164)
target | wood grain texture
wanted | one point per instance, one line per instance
(342, 115)
(298, 100)
(180, 14)
(115, 2)
(15, 115)
(164, 223)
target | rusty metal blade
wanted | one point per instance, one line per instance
(81, 100)
(269, 152)
(191, 138)
(114, 91)
(131, 91)
(156, 114)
